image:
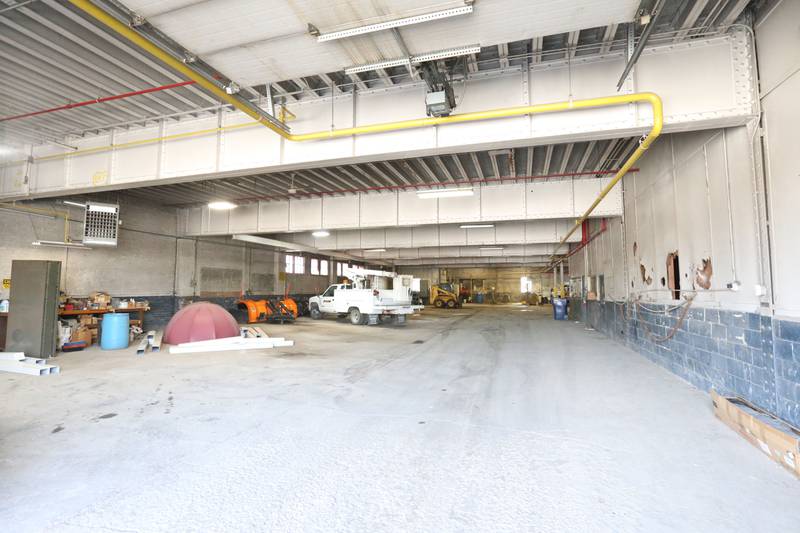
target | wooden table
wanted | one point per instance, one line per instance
(78, 312)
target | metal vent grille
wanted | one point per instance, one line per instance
(100, 224)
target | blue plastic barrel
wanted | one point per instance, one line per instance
(559, 309)
(479, 298)
(114, 331)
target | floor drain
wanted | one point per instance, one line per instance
(417, 342)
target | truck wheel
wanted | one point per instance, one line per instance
(400, 320)
(438, 303)
(356, 317)
(451, 304)
(315, 312)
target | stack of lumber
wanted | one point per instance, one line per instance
(17, 362)
(252, 338)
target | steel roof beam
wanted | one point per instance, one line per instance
(585, 157)
(67, 69)
(399, 175)
(405, 164)
(565, 158)
(548, 157)
(92, 29)
(529, 162)
(428, 170)
(477, 164)
(368, 176)
(24, 77)
(85, 44)
(462, 172)
(109, 70)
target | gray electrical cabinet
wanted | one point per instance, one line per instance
(33, 308)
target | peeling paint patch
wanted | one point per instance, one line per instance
(645, 278)
(703, 275)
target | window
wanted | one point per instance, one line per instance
(299, 264)
(289, 264)
(314, 266)
(330, 292)
(339, 269)
(323, 267)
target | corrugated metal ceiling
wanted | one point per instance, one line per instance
(581, 160)
(53, 54)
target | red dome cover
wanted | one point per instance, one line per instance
(200, 321)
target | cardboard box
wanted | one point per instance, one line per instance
(766, 432)
(82, 334)
(101, 299)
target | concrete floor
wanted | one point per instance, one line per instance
(480, 419)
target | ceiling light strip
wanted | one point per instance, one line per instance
(397, 23)
(446, 193)
(407, 61)
(447, 52)
(402, 62)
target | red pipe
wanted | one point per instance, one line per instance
(588, 238)
(100, 100)
(429, 185)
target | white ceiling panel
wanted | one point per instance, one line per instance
(257, 41)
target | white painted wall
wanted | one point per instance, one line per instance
(143, 264)
(535, 200)
(695, 194)
(778, 38)
(150, 259)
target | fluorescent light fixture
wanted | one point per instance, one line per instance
(376, 250)
(75, 204)
(400, 62)
(221, 205)
(446, 193)
(406, 61)
(59, 244)
(490, 248)
(320, 233)
(396, 23)
(474, 226)
(447, 52)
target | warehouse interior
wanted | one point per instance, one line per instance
(420, 265)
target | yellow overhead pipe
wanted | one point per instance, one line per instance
(604, 101)
(644, 144)
(589, 103)
(126, 31)
(134, 37)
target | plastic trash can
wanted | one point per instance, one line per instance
(559, 309)
(114, 331)
(479, 298)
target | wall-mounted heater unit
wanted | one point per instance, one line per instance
(101, 224)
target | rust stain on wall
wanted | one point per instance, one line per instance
(703, 275)
(645, 278)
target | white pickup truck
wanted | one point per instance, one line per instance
(373, 296)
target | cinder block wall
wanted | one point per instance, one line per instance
(698, 195)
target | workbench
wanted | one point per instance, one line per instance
(140, 311)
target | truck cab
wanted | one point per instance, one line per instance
(326, 300)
